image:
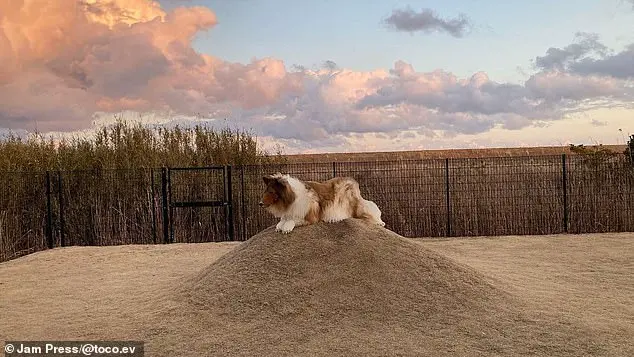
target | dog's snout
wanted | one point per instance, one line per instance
(261, 203)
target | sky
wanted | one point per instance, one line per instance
(325, 76)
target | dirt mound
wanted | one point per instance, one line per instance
(351, 289)
(335, 271)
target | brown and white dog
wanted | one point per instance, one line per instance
(298, 203)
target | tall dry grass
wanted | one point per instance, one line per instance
(132, 146)
(106, 188)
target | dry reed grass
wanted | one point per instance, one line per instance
(103, 189)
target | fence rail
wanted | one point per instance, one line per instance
(418, 198)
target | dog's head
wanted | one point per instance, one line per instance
(278, 193)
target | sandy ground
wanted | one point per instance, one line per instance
(93, 292)
(588, 278)
(549, 290)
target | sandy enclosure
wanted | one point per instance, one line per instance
(584, 282)
(587, 278)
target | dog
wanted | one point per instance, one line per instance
(297, 203)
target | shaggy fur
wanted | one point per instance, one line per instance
(298, 203)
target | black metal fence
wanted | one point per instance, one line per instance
(418, 198)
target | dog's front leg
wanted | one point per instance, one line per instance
(287, 226)
(279, 225)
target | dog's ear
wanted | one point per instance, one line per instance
(270, 178)
(267, 179)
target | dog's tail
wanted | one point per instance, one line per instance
(365, 209)
(350, 190)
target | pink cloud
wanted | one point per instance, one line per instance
(63, 61)
(556, 86)
(88, 56)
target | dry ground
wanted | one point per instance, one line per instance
(312, 293)
(588, 278)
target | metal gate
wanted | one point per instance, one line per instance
(198, 205)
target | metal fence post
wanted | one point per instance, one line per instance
(153, 207)
(49, 218)
(170, 206)
(243, 208)
(166, 218)
(229, 201)
(448, 198)
(60, 194)
(565, 190)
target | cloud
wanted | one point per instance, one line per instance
(477, 104)
(559, 58)
(588, 56)
(443, 91)
(66, 63)
(620, 65)
(65, 60)
(343, 103)
(111, 12)
(595, 122)
(558, 88)
(426, 21)
(331, 65)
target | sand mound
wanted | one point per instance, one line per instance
(335, 271)
(351, 289)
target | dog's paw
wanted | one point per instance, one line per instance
(278, 227)
(287, 226)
